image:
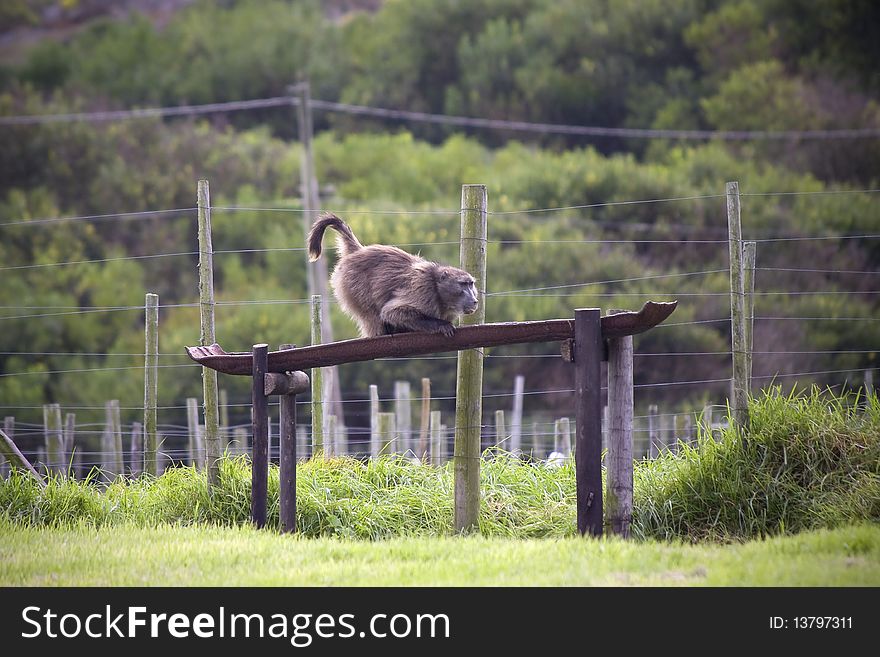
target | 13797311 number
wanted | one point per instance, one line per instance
(811, 623)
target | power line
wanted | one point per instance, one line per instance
(441, 119)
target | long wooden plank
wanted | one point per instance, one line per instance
(416, 344)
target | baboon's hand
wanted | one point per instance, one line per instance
(446, 329)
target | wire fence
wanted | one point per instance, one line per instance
(537, 436)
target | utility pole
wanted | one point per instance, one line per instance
(317, 271)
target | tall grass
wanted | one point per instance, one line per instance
(809, 461)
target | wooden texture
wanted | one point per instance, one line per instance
(136, 449)
(749, 252)
(417, 344)
(740, 401)
(501, 435)
(437, 452)
(287, 456)
(151, 384)
(317, 402)
(516, 414)
(375, 444)
(469, 380)
(387, 433)
(213, 449)
(54, 436)
(654, 444)
(16, 459)
(403, 416)
(260, 453)
(619, 460)
(425, 419)
(291, 383)
(588, 443)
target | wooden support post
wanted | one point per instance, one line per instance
(387, 433)
(436, 439)
(619, 464)
(137, 448)
(9, 428)
(151, 384)
(224, 419)
(16, 459)
(54, 439)
(375, 444)
(69, 436)
(260, 425)
(213, 450)
(469, 382)
(516, 414)
(403, 416)
(739, 405)
(588, 400)
(112, 443)
(287, 459)
(317, 383)
(192, 425)
(501, 437)
(330, 436)
(562, 436)
(424, 425)
(653, 432)
(749, 251)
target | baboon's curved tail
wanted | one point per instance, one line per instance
(347, 242)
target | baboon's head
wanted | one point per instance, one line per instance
(457, 290)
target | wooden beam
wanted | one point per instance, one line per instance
(415, 344)
(588, 436)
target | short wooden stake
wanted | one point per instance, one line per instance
(375, 444)
(16, 459)
(516, 414)
(54, 439)
(653, 432)
(387, 433)
(436, 439)
(137, 448)
(424, 425)
(403, 416)
(501, 437)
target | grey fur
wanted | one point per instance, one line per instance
(387, 290)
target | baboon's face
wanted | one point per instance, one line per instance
(458, 291)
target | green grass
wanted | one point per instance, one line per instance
(235, 556)
(809, 462)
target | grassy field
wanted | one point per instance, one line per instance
(796, 503)
(215, 556)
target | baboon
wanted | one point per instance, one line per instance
(387, 290)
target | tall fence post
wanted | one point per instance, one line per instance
(207, 336)
(287, 459)
(424, 424)
(469, 383)
(619, 485)
(317, 382)
(375, 445)
(516, 414)
(260, 427)
(151, 383)
(588, 348)
(403, 416)
(740, 405)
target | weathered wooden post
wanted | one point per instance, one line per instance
(9, 428)
(54, 438)
(653, 432)
(619, 488)
(137, 448)
(151, 384)
(500, 431)
(516, 414)
(287, 455)
(424, 425)
(224, 419)
(562, 436)
(469, 382)
(375, 445)
(260, 427)
(317, 383)
(213, 451)
(403, 416)
(740, 401)
(588, 354)
(192, 425)
(387, 433)
(436, 439)
(330, 432)
(749, 252)
(69, 434)
(16, 459)
(112, 441)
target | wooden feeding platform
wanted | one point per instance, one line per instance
(587, 340)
